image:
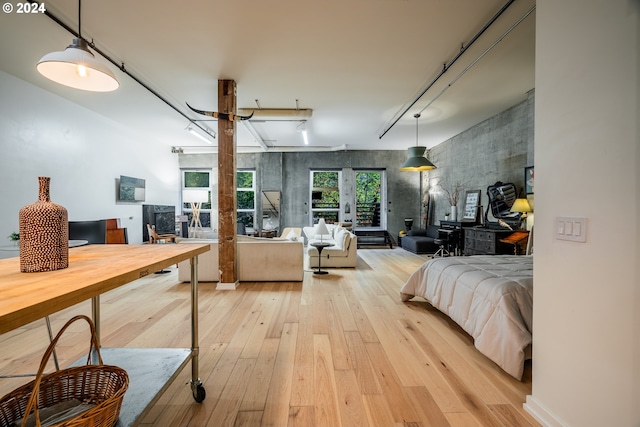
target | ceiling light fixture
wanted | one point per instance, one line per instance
(77, 67)
(194, 132)
(417, 162)
(302, 127)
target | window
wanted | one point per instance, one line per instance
(325, 196)
(370, 199)
(198, 179)
(246, 197)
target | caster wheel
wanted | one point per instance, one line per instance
(199, 393)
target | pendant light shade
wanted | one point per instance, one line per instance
(76, 67)
(417, 162)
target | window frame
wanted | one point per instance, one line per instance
(383, 198)
(247, 189)
(186, 206)
(335, 210)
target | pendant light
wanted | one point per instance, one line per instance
(417, 162)
(77, 67)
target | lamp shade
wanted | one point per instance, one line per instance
(76, 67)
(195, 196)
(417, 161)
(521, 205)
(321, 227)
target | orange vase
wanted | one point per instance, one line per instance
(44, 233)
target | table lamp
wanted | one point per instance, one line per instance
(195, 198)
(321, 228)
(408, 223)
(521, 205)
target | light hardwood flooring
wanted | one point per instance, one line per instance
(339, 350)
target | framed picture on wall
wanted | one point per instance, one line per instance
(528, 180)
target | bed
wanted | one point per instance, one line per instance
(489, 296)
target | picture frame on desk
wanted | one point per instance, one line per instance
(471, 202)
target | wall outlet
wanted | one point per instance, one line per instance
(571, 228)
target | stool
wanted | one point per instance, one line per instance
(442, 251)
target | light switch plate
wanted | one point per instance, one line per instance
(571, 228)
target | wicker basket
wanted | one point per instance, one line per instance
(101, 385)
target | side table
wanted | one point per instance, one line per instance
(320, 246)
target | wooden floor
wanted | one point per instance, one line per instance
(334, 350)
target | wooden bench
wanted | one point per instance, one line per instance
(374, 238)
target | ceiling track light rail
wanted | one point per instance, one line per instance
(120, 66)
(475, 61)
(448, 65)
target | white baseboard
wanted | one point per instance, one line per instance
(226, 286)
(540, 413)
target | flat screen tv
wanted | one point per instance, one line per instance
(131, 189)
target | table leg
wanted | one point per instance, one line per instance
(320, 261)
(196, 385)
(95, 314)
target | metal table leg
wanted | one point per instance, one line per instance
(196, 385)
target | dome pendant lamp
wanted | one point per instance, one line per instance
(77, 67)
(417, 162)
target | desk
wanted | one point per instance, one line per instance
(93, 270)
(320, 246)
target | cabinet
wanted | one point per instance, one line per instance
(460, 228)
(486, 241)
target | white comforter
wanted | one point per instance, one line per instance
(490, 297)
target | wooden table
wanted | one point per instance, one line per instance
(518, 239)
(93, 270)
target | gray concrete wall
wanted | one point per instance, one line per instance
(402, 187)
(497, 149)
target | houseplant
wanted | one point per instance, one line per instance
(14, 237)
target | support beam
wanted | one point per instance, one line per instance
(227, 187)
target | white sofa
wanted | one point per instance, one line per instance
(258, 260)
(343, 253)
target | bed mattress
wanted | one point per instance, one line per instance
(489, 296)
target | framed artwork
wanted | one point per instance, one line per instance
(528, 180)
(471, 203)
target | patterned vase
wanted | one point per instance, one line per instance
(44, 233)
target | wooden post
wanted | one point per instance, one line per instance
(227, 216)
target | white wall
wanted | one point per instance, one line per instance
(84, 153)
(586, 353)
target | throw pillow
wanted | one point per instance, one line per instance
(292, 236)
(341, 239)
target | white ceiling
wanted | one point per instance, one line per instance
(357, 64)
